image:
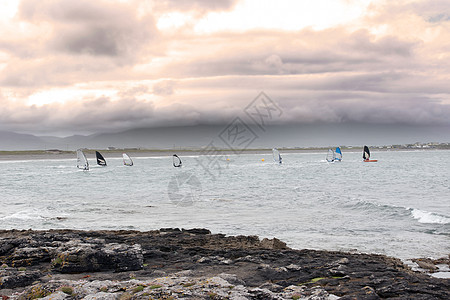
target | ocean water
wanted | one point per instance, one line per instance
(399, 206)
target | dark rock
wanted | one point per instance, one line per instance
(162, 230)
(263, 294)
(11, 278)
(232, 278)
(271, 287)
(27, 256)
(197, 231)
(5, 247)
(274, 243)
(264, 267)
(426, 263)
(81, 257)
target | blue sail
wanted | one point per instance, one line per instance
(338, 154)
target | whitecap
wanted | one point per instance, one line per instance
(429, 217)
(23, 215)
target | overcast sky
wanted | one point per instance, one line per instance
(95, 66)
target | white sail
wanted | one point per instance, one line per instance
(330, 155)
(82, 162)
(127, 161)
(276, 155)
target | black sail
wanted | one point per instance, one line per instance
(366, 153)
(176, 161)
(100, 159)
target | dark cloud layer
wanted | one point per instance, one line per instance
(77, 41)
(384, 71)
(275, 53)
(92, 27)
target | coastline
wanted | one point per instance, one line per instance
(57, 155)
(178, 264)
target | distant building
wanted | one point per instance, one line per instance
(54, 151)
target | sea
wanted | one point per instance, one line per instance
(398, 206)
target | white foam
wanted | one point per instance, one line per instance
(24, 215)
(429, 217)
(443, 275)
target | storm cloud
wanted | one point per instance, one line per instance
(91, 27)
(90, 66)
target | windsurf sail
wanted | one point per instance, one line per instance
(276, 155)
(338, 154)
(176, 161)
(101, 161)
(82, 162)
(366, 153)
(127, 161)
(330, 155)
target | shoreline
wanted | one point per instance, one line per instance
(173, 263)
(58, 155)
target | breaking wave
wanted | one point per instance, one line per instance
(429, 217)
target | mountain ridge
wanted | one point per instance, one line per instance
(309, 135)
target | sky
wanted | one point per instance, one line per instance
(80, 67)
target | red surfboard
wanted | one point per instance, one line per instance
(370, 160)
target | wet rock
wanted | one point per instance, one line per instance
(426, 264)
(102, 296)
(293, 267)
(271, 287)
(82, 257)
(12, 278)
(339, 271)
(342, 261)
(5, 247)
(232, 279)
(215, 260)
(198, 264)
(204, 260)
(259, 293)
(58, 295)
(159, 273)
(197, 231)
(274, 243)
(28, 256)
(251, 259)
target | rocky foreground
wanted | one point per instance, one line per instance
(195, 264)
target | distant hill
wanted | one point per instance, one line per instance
(18, 141)
(311, 135)
(167, 137)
